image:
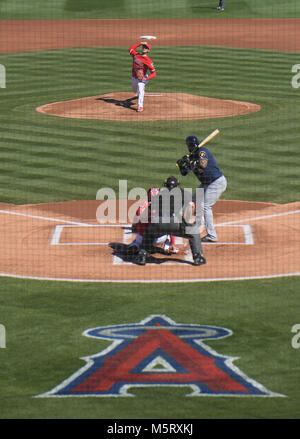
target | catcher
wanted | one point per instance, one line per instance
(141, 64)
(142, 221)
(173, 216)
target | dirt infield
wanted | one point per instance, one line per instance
(158, 106)
(63, 241)
(28, 35)
(270, 34)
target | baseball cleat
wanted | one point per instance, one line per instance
(199, 260)
(208, 239)
(139, 110)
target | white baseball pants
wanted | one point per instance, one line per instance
(212, 193)
(138, 240)
(138, 87)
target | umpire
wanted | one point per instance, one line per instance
(172, 213)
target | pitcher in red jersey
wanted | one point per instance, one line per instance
(140, 66)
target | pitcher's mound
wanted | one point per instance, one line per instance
(157, 106)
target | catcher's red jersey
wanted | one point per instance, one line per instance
(139, 226)
(141, 62)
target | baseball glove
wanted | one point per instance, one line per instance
(184, 165)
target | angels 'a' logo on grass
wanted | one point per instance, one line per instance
(159, 352)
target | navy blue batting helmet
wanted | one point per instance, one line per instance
(192, 142)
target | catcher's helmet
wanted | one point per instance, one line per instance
(192, 142)
(171, 182)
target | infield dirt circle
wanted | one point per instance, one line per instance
(63, 241)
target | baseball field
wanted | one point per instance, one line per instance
(85, 334)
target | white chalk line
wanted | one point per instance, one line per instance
(279, 275)
(44, 218)
(55, 240)
(221, 279)
(118, 259)
(257, 218)
(9, 212)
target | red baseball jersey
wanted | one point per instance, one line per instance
(141, 62)
(140, 227)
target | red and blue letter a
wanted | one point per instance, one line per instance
(159, 352)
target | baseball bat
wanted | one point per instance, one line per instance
(208, 138)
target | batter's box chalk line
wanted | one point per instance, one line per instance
(127, 239)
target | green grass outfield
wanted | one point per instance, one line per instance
(47, 158)
(45, 320)
(58, 9)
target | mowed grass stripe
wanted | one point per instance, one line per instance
(91, 9)
(46, 321)
(145, 153)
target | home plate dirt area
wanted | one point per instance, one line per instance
(63, 241)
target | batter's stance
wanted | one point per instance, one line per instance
(203, 164)
(140, 65)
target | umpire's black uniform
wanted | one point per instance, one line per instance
(168, 216)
